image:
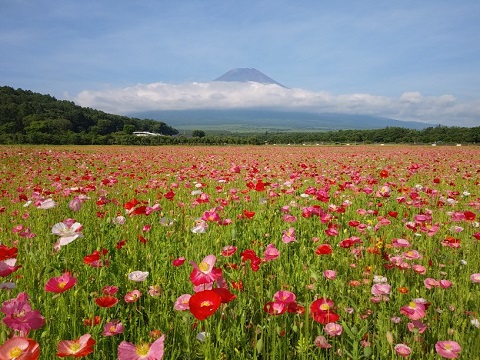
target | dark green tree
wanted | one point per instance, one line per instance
(198, 133)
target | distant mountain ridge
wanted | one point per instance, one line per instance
(246, 75)
(261, 119)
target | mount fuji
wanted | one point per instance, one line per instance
(254, 119)
(247, 75)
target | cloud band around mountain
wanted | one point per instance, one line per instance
(410, 106)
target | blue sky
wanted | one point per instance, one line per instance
(410, 60)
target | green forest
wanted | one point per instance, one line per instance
(31, 118)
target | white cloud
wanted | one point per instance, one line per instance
(412, 106)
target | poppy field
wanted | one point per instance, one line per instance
(241, 252)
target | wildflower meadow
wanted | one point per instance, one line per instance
(253, 252)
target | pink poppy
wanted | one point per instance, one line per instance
(475, 278)
(322, 342)
(414, 310)
(154, 290)
(331, 230)
(275, 307)
(19, 315)
(289, 235)
(113, 328)
(445, 284)
(132, 296)
(271, 253)
(333, 329)
(46, 204)
(211, 216)
(75, 204)
(289, 218)
(181, 304)
(430, 283)
(417, 325)
(8, 267)
(200, 227)
(109, 290)
(77, 348)
(284, 296)
(448, 349)
(402, 350)
(330, 274)
(20, 348)
(412, 255)
(229, 250)
(144, 351)
(381, 289)
(398, 243)
(419, 269)
(205, 272)
(61, 283)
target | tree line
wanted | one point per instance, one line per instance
(31, 118)
(28, 117)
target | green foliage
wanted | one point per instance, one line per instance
(28, 117)
(198, 133)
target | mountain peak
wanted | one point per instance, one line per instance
(246, 75)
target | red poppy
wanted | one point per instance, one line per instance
(237, 285)
(225, 294)
(121, 244)
(324, 249)
(469, 215)
(169, 195)
(130, 204)
(294, 308)
(393, 214)
(94, 258)
(384, 174)
(325, 317)
(178, 261)
(7, 252)
(255, 261)
(140, 210)
(249, 214)
(106, 301)
(92, 321)
(204, 304)
(322, 311)
(373, 250)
